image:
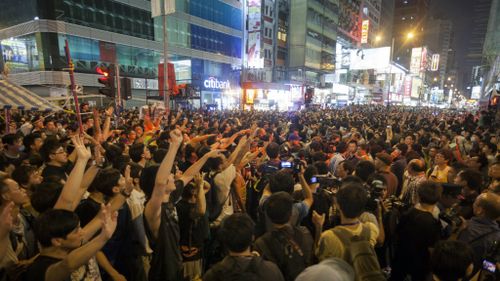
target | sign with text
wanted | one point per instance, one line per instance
(435, 62)
(364, 31)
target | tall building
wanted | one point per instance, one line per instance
(386, 22)
(410, 19)
(491, 52)
(438, 38)
(312, 39)
(349, 24)
(474, 55)
(370, 22)
(204, 44)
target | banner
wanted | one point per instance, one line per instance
(157, 9)
(364, 31)
(416, 60)
(435, 62)
(172, 82)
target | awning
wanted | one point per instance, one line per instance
(17, 97)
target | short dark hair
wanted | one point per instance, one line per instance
(348, 166)
(341, 147)
(148, 179)
(30, 140)
(473, 178)
(322, 167)
(450, 260)
(403, 147)
(159, 154)
(45, 195)
(490, 207)
(273, 150)
(447, 154)
(55, 223)
(364, 169)
(281, 181)
(10, 139)
(352, 199)
(237, 232)
(136, 151)
(22, 174)
(429, 192)
(417, 166)
(279, 207)
(105, 181)
(49, 147)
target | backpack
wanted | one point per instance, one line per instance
(254, 191)
(290, 257)
(233, 272)
(360, 254)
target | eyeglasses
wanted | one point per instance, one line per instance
(59, 152)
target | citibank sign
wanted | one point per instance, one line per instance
(214, 83)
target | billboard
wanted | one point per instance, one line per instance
(254, 33)
(476, 92)
(416, 84)
(435, 62)
(416, 60)
(365, 25)
(254, 56)
(375, 58)
(157, 9)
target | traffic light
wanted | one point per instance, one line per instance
(125, 88)
(107, 79)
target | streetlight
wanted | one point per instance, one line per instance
(410, 35)
(378, 38)
(449, 78)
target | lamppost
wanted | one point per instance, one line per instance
(409, 36)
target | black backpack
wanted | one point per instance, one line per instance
(232, 271)
(290, 257)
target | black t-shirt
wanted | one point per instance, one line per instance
(193, 227)
(417, 232)
(60, 172)
(36, 271)
(87, 210)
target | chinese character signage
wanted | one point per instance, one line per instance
(364, 31)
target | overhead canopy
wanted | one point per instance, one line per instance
(15, 96)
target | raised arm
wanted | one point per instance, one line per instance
(200, 199)
(107, 123)
(194, 169)
(306, 190)
(68, 200)
(6, 224)
(152, 210)
(78, 257)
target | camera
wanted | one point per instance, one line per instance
(375, 190)
(328, 184)
(297, 166)
(451, 217)
(489, 269)
(286, 164)
(396, 203)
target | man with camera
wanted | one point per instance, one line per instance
(482, 230)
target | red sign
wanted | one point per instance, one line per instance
(172, 82)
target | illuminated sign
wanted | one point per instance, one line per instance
(435, 62)
(214, 83)
(375, 58)
(476, 92)
(253, 50)
(364, 31)
(416, 60)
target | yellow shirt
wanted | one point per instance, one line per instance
(440, 175)
(330, 246)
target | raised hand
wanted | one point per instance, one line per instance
(128, 180)
(108, 220)
(176, 136)
(216, 153)
(198, 180)
(318, 219)
(109, 111)
(81, 151)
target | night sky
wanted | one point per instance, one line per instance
(460, 12)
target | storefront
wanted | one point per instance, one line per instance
(273, 96)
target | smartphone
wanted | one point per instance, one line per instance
(489, 266)
(286, 164)
(313, 180)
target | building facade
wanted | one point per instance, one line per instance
(410, 19)
(204, 43)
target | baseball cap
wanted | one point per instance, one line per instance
(331, 269)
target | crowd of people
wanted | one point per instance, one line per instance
(358, 193)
